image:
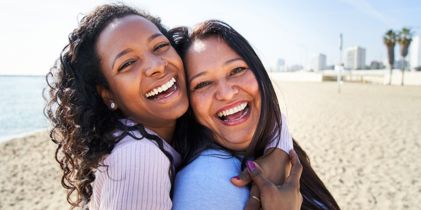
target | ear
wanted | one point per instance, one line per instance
(105, 94)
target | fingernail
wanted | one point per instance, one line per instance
(236, 177)
(292, 152)
(251, 166)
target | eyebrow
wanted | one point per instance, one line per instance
(225, 63)
(232, 60)
(197, 75)
(154, 36)
(125, 51)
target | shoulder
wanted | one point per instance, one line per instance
(282, 139)
(217, 162)
(213, 159)
(125, 180)
(132, 155)
(284, 121)
(205, 183)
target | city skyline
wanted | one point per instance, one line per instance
(357, 56)
(292, 30)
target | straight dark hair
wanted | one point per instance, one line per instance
(315, 193)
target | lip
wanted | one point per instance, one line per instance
(238, 121)
(161, 82)
(169, 97)
(232, 105)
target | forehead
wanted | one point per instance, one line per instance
(211, 44)
(212, 51)
(129, 29)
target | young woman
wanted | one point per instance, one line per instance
(237, 114)
(114, 99)
(118, 81)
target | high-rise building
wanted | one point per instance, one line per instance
(280, 65)
(415, 52)
(318, 62)
(355, 58)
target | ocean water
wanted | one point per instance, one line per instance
(21, 105)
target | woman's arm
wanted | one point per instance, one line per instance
(136, 178)
(278, 197)
(275, 163)
(205, 183)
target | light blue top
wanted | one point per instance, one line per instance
(205, 183)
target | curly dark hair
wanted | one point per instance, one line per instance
(82, 124)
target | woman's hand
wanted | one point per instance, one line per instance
(275, 167)
(285, 196)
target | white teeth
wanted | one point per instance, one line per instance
(233, 110)
(161, 88)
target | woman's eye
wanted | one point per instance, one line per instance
(125, 65)
(162, 46)
(202, 85)
(237, 70)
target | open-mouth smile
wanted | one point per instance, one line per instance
(163, 91)
(235, 115)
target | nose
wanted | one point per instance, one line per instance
(225, 91)
(156, 66)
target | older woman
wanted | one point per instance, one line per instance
(237, 114)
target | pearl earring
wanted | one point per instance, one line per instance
(113, 105)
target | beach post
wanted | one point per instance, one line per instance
(339, 67)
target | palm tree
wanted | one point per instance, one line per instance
(404, 39)
(389, 40)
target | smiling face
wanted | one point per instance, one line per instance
(144, 72)
(224, 92)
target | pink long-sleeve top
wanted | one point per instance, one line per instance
(137, 176)
(138, 173)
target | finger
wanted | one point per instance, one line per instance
(256, 175)
(296, 170)
(300, 198)
(253, 203)
(241, 180)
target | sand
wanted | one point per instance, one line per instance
(30, 176)
(364, 143)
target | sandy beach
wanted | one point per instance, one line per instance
(364, 143)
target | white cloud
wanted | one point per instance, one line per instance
(365, 7)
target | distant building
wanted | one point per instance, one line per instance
(415, 52)
(295, 67)
(355, 58)
(399, 64)
(376, 65)
(330, 67)
(318, 62)
(280, 65)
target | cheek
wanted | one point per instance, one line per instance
(173, 56)
(201, 105)
(251, 85)
(126, 91)
(126, 84)
(252, 88)
(256, 95)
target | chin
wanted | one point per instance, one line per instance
(176, 112)
(236, 146)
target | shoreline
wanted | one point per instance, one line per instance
(8, 138)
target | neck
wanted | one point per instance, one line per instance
(166, 132)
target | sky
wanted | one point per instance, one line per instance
(33, 34)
